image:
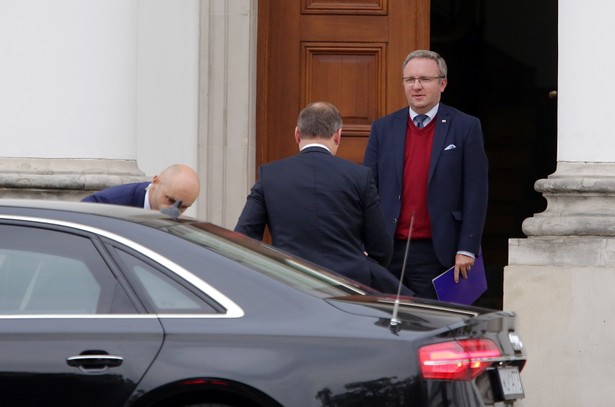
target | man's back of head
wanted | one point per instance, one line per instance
(319, 122)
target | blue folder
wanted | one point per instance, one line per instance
(466, 291)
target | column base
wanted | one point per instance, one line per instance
(565, 319)
(579, 198)
(559, 282)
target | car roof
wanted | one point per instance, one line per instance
(108, 210)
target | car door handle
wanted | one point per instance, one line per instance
(94, 363)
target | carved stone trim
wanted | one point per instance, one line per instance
(580, 201)
(63, 178)
(554, 252)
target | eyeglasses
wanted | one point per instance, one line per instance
(423, 80)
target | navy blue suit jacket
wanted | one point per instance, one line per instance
(457, 183)
(126, 194)
(324, 209)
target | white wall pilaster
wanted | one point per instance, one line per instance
(227, 104)
(560, 278)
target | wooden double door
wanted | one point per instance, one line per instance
(346, 52)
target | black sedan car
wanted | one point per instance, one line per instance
(104, 305)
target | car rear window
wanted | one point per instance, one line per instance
(266, 259)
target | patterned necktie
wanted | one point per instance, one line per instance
(419, 119)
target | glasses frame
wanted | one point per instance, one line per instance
(410, 80)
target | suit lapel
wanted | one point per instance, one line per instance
(399, 142)
(443, 121)
(139, 195)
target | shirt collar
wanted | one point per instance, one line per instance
(146, 201)
(316, 145)
(430, 115)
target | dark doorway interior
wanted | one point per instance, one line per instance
(502, 63)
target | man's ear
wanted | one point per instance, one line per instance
(443, 83)
(155, 180)
(297, 135)
(337, 137)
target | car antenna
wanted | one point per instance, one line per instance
(172, 211)
(395, 323)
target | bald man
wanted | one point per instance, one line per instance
(176, 183)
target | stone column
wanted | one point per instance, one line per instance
(560, 279)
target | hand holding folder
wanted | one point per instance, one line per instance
(466, 291)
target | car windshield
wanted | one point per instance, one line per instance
(267, 260)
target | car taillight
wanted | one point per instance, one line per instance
(457, 360)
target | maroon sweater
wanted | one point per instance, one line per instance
(417, 154)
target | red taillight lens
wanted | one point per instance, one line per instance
(460, 360)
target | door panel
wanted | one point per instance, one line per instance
(36, 370)
(352, 77)
(343, 6)
(345, 52)
(69, 335)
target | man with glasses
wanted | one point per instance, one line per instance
(176, 185)
(430, 167)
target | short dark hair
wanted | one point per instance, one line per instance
(423, 53)
(319, 119)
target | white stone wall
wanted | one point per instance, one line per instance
(100, 92)
(68, 78)
(167, 83)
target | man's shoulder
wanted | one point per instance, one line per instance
(353, 169)
(132, 186)
(280, 162)
(311, 152)
(321, 155)
(117, 192)
(396, 115)
(452, 111)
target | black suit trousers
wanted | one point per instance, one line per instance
(422, 265)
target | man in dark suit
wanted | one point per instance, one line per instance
(321, 207)
(176, 183)
(431, 169)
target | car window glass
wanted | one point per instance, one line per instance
(46, 271)
(162, 293)
(276, 264)
(41, 283)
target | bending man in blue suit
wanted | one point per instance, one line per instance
(321, 207)
(176, 183)
(431, 169)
